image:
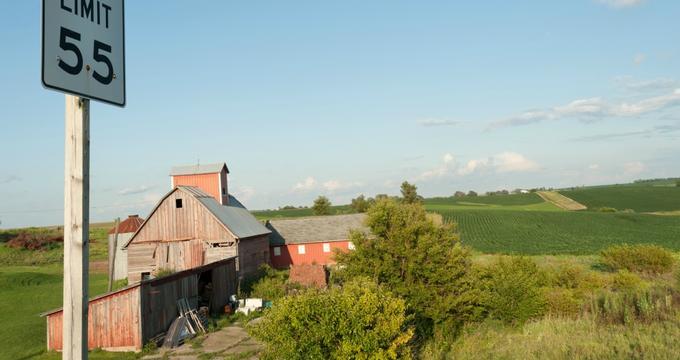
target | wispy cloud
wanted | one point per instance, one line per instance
(621, 3)
(244, 193)
(655, 131)
(660, 84)
(135, 190)
(591, 110)
(639, 58)
(337, 185)
(9, 179)
(432, 122)
(633, 168)
(329, 186)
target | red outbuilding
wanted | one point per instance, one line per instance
(311, 240)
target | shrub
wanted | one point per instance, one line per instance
(419, 261)
(511, 290)
(561, 302)
(35, 241)
(358, 320)
(624, 280)
(638, 258)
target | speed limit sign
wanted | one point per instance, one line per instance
(83, 48)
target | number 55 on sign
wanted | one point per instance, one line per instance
(83, 48)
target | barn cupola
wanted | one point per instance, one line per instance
(211, 178)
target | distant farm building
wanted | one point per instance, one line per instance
(127, 319)
(312, 240)
(126, 229)
(211, 178)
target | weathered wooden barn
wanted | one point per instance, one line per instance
(189, 228)
(312, 240)
(127, 319)
(125, 229)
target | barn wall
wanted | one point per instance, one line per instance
(113, 323)
(159, 302)
(314, 254)
(224, 285)
(210, 183)
(252, 253)
(192, 221)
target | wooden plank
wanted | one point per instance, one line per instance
(76, 226)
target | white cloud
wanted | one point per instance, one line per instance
(244, 193)
(658, 84)
(500, 163)
(447, 166)
(592, 109)
(337, 185)
(633, 168)
(307, 184)
(594, 166)
(620, 3)
(513, 162)
(437, 122)
(135, 190)
(639, 58)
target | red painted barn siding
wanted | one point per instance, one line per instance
(210, 183)
(113, 323)
(313, 254)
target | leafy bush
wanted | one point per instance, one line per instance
(511, 290)
(638, 258)
(359, 320)
(561, 302)
(419, 261)
(624, 280)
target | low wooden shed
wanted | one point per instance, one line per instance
(126, 319)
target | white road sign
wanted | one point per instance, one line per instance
(83, 48)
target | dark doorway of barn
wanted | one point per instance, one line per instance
(206, 290)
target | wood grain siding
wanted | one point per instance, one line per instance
(159, 302)
(252, 253)
(210, 183)
(113, 323)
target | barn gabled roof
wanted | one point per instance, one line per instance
(235, 218)
(198, 169)
(315, 229)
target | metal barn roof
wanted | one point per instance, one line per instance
(198, 169)
(315, 229)
(129, 225)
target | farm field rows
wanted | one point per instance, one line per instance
(641, 198)
(560, 232)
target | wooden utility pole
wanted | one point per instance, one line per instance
(76, 227)
(113, 249)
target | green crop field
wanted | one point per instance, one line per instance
(645, 197)
(560, 232)
(293, 213)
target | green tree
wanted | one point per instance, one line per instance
(418, 260)
(459, 194)
(472, 193)
(409, 193)
(357, 321)
(322, 206)
(360, 204)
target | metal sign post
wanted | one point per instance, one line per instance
(83, 55)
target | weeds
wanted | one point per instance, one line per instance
(644, 258)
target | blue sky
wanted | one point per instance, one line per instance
(303, 98)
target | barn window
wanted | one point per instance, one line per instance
(277, 251)
(301, 249)
(178, 203)
(350, 245)
(146, 275)
(326, 248)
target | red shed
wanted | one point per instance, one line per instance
(311, 240)
(126, 319)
